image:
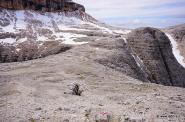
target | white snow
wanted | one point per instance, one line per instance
(16, 20)
(69, 38)
(9, 28)
(18, 49)
(60, 18)
(125, 40)
(107, 30)
(33, 23)
(122, 31)
(176, 51)
(63, 27)
(20, 21)
(8, 40)
(137, 59)
(22, 40)
(103, 29)
(42, 38)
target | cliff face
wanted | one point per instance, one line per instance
(42, 5)
(178, 33)
(154, 49)
(26, 35)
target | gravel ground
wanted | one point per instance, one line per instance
(40, 90)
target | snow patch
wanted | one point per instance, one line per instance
(63, 27)
(122, 31)
(10, 28)
(8, 40)
(18, 49)
(107, 30)
(103, 29)
(69, 38)
(125, 40)
(20, 23)
(32, 23)
(176, 51)
(22, 40)
(42, 38)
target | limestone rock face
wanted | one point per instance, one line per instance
(178, 33)
(123, 59)
(154, 50)
(42, 5)
(25, 35)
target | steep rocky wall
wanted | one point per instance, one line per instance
(28, 36)
(153, 47)
(122, 59)
(178, 33)
(42, 5)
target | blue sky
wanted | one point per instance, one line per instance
(137, 13)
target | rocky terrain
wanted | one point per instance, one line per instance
(42, 5)
(178, 33)
(22, 31)
(154, 49)
(40, 90)
(118, 71)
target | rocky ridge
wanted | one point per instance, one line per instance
(42, 5)
(154, 49)
(25, 30)
(178, 33)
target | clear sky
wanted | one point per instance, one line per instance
(137, 13)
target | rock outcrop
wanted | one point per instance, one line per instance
(178, 33)
(122, 59)
(42, 5)
(154, 49)
(25, 35)
(30, 50)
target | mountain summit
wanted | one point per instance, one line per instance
(42, 5)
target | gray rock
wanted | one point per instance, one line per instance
(121, 59)
(178, 33)
(154, 49)
(30, 50)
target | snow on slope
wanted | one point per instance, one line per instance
(30, 25)
(108, 30)
(34, 26)
(7, 40)
(176, 51)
